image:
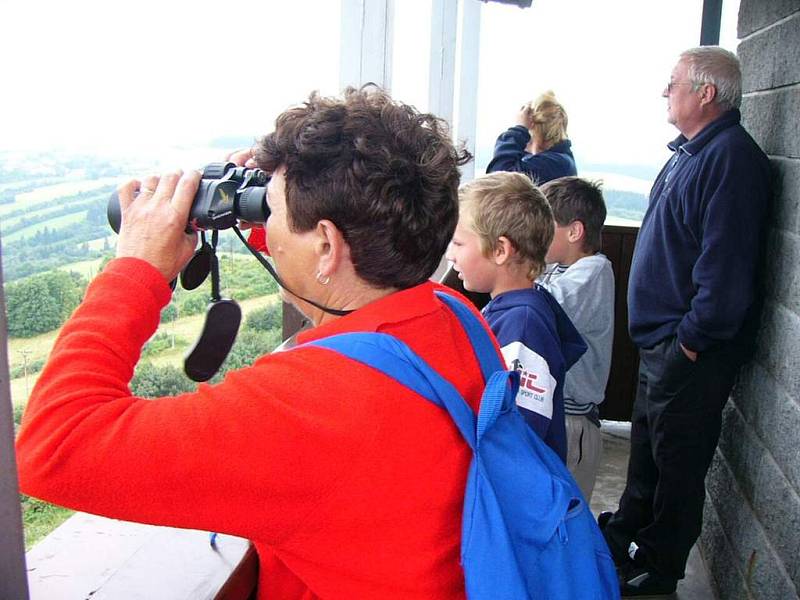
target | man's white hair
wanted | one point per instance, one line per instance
(720, 68)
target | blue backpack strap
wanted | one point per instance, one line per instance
(498, 393)
(478, 336)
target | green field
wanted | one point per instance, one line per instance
(56, 223)
(87, 268)
(42, 197)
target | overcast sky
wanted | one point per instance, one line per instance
(107, 76)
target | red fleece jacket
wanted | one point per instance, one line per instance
(349, 484)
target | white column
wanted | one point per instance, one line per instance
(444, 23)
(468, 81)
(366, 43)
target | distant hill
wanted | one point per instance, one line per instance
(47, 235)
(626, 205)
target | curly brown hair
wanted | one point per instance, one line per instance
(386, 175)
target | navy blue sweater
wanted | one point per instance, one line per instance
(510, 155)
(693, 271)
(537, 339)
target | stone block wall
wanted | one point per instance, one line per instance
(751, 534)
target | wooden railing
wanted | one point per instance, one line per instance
(618, 244)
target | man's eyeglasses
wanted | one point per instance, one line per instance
(672, 84)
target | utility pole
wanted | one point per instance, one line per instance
(25, 354)
(174, 320)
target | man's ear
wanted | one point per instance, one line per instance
(330, 248)
(708, 93)
(576, 232)
(503, 250)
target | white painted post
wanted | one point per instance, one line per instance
(468, 81)
(444, 24)
(366, 43)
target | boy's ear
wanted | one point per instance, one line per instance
(503, 251)
(576, 232)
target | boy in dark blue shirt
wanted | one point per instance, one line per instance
(504, 229)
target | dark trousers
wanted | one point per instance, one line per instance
(675, 427)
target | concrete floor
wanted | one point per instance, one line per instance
(608, 489)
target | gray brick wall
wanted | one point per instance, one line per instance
(751, 534)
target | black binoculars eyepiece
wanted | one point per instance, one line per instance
(226, 194)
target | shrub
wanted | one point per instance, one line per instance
(193, 304)
(151, 381)
(169, 313)
(42, 302)
(266, 318)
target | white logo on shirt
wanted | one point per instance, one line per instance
(536, 384)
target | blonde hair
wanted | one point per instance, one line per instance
(505, 204)
(547, 120)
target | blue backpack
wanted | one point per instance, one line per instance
(527, 531)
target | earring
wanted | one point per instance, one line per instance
(323, 279)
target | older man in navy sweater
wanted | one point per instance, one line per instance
(692, 309)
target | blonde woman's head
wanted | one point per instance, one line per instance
(547, 121)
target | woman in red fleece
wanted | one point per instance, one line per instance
(349, 484)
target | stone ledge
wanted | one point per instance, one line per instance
(104, 559)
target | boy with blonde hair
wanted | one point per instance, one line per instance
(582, 280)
(504, 229)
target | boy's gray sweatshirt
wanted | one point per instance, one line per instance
(585, 290)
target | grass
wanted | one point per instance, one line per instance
(39, 518)
(87, 268)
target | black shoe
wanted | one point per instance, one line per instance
(618, 554)
(603, 518)
(643, 582)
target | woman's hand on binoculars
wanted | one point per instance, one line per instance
(242, 158)
(154, 220)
